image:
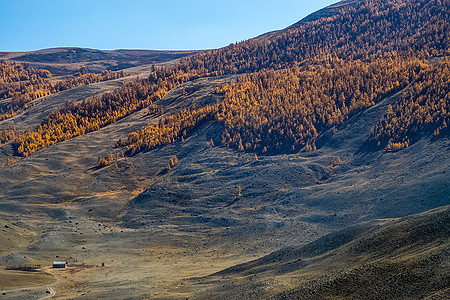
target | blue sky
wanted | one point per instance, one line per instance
(139, 24)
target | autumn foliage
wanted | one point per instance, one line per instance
(367, 28)
(20, 85)
(7, 134)
(423, 108)
(92, 114)
(286, 110)
(296, 85)
(168, 130)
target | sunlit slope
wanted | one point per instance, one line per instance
(325, 12)
(291, 197)
(63, 61)
(194, 206)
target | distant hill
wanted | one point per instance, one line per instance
(311, 164)
(326, 12)
(63, 61)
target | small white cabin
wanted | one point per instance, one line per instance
(59, 264)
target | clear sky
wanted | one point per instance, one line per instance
(143, 24)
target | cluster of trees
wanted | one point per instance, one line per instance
(417, 27)
(7, 134)
(14, 72)
(172, 128)
(19, 82)
(285, 110)
(423, 108)
(299, 68)
(21, 85)
(168, 130)
(108, 159)
(92, 114)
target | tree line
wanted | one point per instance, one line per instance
(285, 110)
(423, 108)
(20, 85)
(358, 36)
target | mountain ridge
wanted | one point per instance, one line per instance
(321, 13)
(195, 218)
(68, 60)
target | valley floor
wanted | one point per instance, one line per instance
(158, 232)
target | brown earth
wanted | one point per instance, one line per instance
(161, 232)
(154, 228)
(17, 279)
(404, 258)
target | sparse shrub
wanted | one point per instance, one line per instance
(11, 160)
(238, 192)
(172, 162)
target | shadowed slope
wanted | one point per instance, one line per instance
(383, 259)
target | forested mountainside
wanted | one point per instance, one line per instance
(379, 47)
(335, 68)
(310, 162)
(284, 110)
(423, 108)
(20, 85)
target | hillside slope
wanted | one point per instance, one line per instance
(325, 12)
(64, 61)
(143, 225)
(390, 258)
(190, 215)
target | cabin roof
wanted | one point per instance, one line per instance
(58, 262)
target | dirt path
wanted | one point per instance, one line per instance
(49, 287)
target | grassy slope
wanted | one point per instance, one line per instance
(160, 226)
(13, 237)
(393, 259)
(18, 279)
(188, 216)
